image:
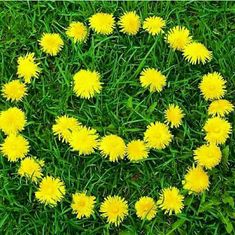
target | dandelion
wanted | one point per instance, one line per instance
(85, 141)
(157, 135)
(114, 208)
(212, 86)
(77, 31)
(146, 208)
(14, 147)
(137, 150)
(196, 180)
(174, 115)
(102, 23)
(51, 43)
(178, 37)
(208, 156)
(129, 23)
(12, 120)
(112, 146)
(82, 205)
(27, 68)
(14, 90)
(217, 130)
(197, 53)
(87, 83)
(64, 126)
(171, 200)
(152, 79)
(220, 108)
(31, 168)
(154, 24)
(50, 191)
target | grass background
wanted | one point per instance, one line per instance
(123, 108)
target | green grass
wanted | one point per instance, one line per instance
(123, 108)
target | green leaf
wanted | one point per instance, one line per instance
(2, 220)
(176, 225)
(229, 200)
(229, 226)
(227, 223)
(129, 103)
(152, 107)
(225, 153)
(127, 232)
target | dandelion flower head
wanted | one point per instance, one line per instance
(146, 208)
(51, 43)
(217, 130)
(82, 205)
(50, 191)
(197, 53)
(129, 23)
(102, 23)
(113, 147)
(77, 31)
(157, 135)
(212, 86)
(12, 120)
(171, 201)
(152, 79)
(31, 168)
(14, 147)
(178, 37)
(64, 126)
(14, 90)
(27, 68)
(196, 180)
(174, 115)
(87, 83)
(85, 140)
(114, 208)
(154, 25)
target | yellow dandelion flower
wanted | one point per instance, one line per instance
(154, 24)
(12, 120)
(137, 150)
(31, 168)
(197, 53)
(171, 200)
(85, 141)
(114, 208)
(196, 180)
(146, 208)
(15, 147)
(82, 205)
(51, 43)
(178, 37)
(50, 191)
(14, 90)
(77, 31)
(152, 79)
(102, 23)
(208, 156)
(217, 130)
(220, 108)
(113, 147)
(157, 135)
(64, 126)
(129, 23)
(87, 83)
(212, 86)
(174, 115)
(27, 68)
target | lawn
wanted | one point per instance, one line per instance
(124, 108)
